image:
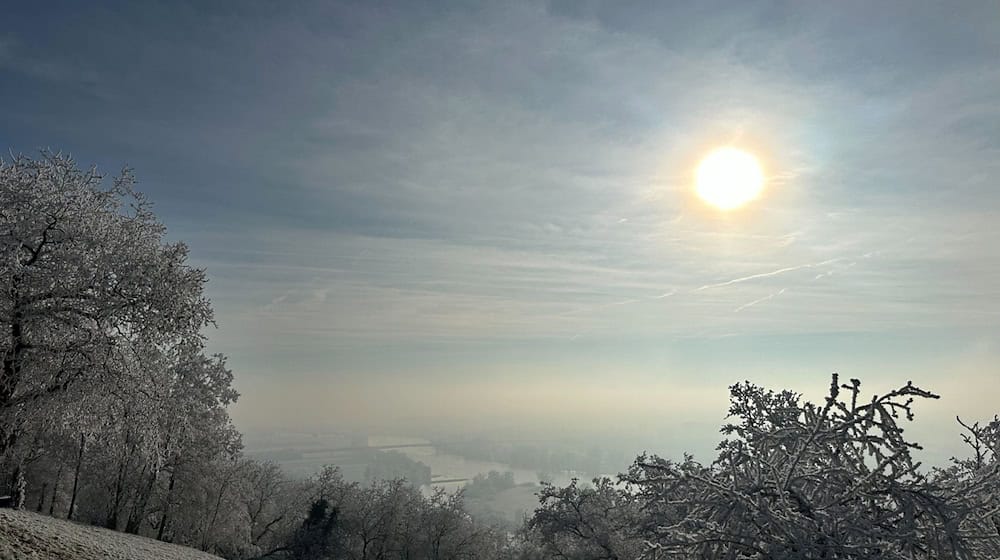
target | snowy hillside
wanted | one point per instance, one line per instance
(26, 535)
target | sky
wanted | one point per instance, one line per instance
(462, 217)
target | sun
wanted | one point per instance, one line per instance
(729, 178)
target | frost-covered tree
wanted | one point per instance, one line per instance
(84, 271)
(587, 523)
(800, 480)
(105, 389)
(973, 485)
(272, 504)
(792, 480)
(387, 519)
(194, 431)
(126, 456)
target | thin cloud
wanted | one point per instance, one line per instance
(760, 300)
(768, 274)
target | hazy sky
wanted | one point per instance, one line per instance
(491, 207)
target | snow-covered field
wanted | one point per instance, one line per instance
(29, 536)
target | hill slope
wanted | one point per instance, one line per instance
(26, 535)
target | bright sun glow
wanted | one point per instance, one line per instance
(729, 178)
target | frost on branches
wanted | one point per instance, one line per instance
(93, 304)
(793, 480)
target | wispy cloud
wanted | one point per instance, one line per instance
(767, 274)
(759, 300)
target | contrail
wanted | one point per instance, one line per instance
(766, 274)
(756, 301)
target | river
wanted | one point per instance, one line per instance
(445, 466)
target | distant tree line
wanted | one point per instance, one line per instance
(486, 486)
(388, 465)
(112, 413)
(543, 457)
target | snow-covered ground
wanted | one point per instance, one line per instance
(29, 536)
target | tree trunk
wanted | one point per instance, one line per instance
(218, 507)
(166, 506)
(55, 489)
(12, 359)
(18, 487)
(76, 476)
(112, 520)
(121, 482)
(41, 498)
(139, 508)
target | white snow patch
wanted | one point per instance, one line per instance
(25, 535)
